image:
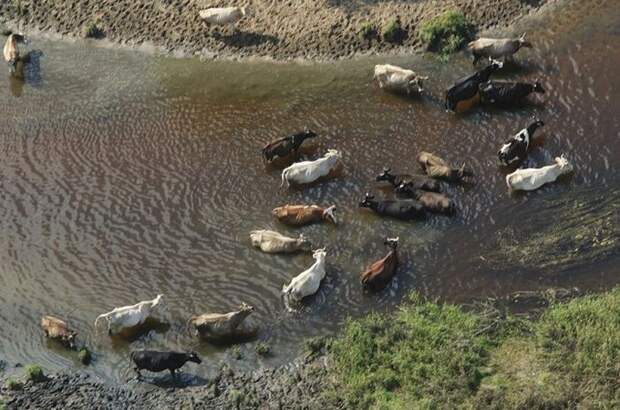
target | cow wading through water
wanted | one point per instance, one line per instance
(465, 93)
(284, 146)
(155, 361)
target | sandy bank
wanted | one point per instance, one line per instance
(310, 29)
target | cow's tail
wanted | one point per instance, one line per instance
(102, 316)
(284, 179)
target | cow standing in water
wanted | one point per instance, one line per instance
(379, 274)
(515, 149)
(465, 93)
(285, 146)
(497, 47)
(507, 94)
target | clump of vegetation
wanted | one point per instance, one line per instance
(367, 31)
(316, 345)
(84, 356)
(447, 32)
(92, 30)
(263, 349)
(236, 353)
(393, 31)
(13, 384)
(430, 355)
(34, 373)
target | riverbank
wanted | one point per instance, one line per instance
(425, 355)
(314, 30)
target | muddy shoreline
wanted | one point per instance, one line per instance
(312, 30)
(298, 385)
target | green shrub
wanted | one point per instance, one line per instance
(393, 32)
(236, 353)
(84, 356)
(367, 31)
(13, 384)
(447, 32)
(34, 373)
(91, 30)
(263, 349)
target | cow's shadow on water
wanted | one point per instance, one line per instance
(241, 39)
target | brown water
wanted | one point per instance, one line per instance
(125, 175)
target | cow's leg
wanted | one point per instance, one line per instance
(137, 370)
(476, 58)
(173, 373)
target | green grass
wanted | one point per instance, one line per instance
(447, 32)
(435, 356)
(392, 31)
(13, 384)
(34, 373)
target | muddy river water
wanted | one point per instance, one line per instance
(125, 175)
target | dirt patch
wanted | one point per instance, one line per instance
(309, 29)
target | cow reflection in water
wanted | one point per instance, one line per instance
(27, 70)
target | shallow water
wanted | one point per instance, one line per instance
(125, 175)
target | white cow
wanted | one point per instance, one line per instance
(529, 179)
(394, 78)
(306, 172)
(125, 317)
(220, 16)
(307, 282)
(275, 242)
(497, 48)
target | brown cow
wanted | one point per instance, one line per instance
(431, 201)
(436, 167)
(381, 272)
(57, 329)
(298, 215)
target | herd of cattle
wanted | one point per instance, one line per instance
(415, 196)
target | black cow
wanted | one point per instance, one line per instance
(418, 181)
(465, 93)
(284, 146)
(400, 208)
(515, 149)
(159, 361)
(504, 93)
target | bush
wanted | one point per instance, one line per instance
(91, 30)
(84, 356)
(13, 384)
(447, 32)
(263, 349)
(393, 32)
(367, 31)
(34, 373)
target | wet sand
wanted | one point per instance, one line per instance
(315, 30)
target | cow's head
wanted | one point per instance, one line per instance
(193, 357)
(385, 175)
(367, 201)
